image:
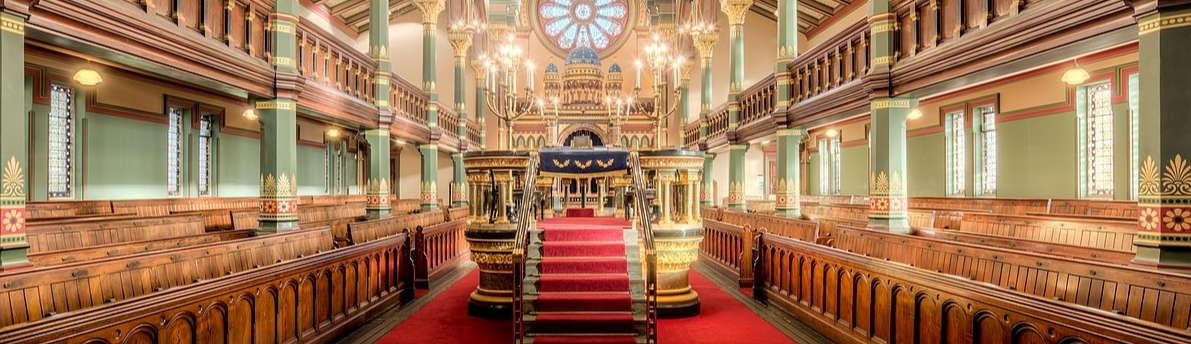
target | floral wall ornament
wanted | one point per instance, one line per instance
(1177, 220)
(1174, 181)
(14, 221)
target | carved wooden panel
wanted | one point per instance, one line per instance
(908, 38)
(975, 13)
(949, 15)
(214, 20)
(1004, 8)
(258, 34)
(237, 27)
(927, 26)
(190, 14)
(163, 8)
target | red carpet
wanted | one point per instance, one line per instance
(445, 321)
(583, 288)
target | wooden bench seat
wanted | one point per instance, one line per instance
(792, 228)
(215, 219)
(1012, 206)
(1057, 249)
(1083, 217)
(1109, 208)
(91, 253)
(1113, 235)
(1149, 295)
(57, 236)
(950, 218)
(42, 292)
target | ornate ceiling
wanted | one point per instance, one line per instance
(353, 14)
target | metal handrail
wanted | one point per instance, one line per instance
(651, 256)
(520, 243)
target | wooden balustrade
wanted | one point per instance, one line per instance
(312, 299)
(1011, 206)
(439, 249)
(727, 248)
(408, 101)
(842, 60)
(327, 61)
(852, 298)
(757, 101)
(717, 121)
(473, 134)
(690, 135)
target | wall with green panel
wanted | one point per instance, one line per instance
(854, 170)
(239, 166)
(925, 159)
(125, 158)
(1036, 157)
(812, 176)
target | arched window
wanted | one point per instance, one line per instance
(635, 142)
(541, 141)
(61, 142)
(956, 149)
(624, 141)
(645, 142)
(521, 142)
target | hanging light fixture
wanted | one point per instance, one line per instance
(87, 76)
(250, 114)
(1076, 76)
(832, 132)
(333, 132)
(915, 114)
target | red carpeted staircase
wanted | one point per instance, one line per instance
(583, 284)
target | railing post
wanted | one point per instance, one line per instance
(759, 267)
(745, 263)
(420, 256)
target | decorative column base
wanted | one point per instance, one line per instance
(677, 247)
(492, 250)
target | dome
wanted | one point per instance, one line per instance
(551, 68)
(615, 68)
(583, 55)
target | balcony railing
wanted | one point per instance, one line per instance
(329, 62)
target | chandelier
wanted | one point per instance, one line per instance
(500, 86)
(665, 65)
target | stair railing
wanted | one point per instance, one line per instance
(651, 256)
(521, 241)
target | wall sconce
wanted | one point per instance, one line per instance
(399, 142)
(250, 114)
(1076, 76)
(333, 133)
(832, 132)
(88, 76)
(914, 114)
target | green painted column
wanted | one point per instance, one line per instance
(378, 204)
(736, 11)
(279, 127)
(736, 176)
(460, 41)
(705, 44)
(787, 50)
(887, 174)
(481, 104)
(708, 191)
(789, 185)
(14, 143)
(429, 197)
(683, 104)
(1164, 185)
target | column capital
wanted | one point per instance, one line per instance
(430, 10)
(705, 42)
(736, 10)
(460, 41)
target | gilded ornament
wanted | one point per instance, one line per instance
(1176, 181)
(14, 179)
(1148, 180)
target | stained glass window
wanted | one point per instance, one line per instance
(206, 143)
(1099, 140)
(956, 150)
(597, 24)
(835, 165)
(339, 170)
(174, 154)
(824, 169)
(988, 151)
(327, 169)
(61, 136)
(1134, 99)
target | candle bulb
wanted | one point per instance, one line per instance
(638, 83)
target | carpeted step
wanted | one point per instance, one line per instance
(585, 302)
(609, 234)
(583, 283)
(589, 265)
(620, 323)
(582, 249)
(589, 339)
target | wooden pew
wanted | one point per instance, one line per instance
(43, 209)
(56, 236)
(1011, 206)
(91, 253)
(44, 292)
(1150, 295)
(792, 228)
(215, 219)
(314, 299)
(1113, 235)
(727, 248)
(1083, 217)
(406, 206)
(442, 248)
(1057, 249)
(850, 298)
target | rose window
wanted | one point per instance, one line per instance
(597, 24)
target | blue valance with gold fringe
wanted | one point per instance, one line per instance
(583, 163)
